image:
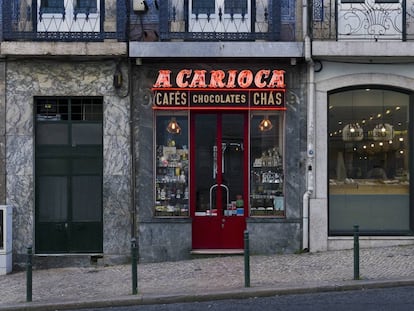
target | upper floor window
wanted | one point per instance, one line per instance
(85, 6)
(234, 20)
(225, 6)
(220, 16)
(52, 6)
(68, 16)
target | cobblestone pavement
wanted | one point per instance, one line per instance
(208, 275)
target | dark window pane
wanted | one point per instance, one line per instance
(52, 198)
(52, 6)
(86, 198)
(52, 134)
(86, 4)
(87, 134)
(203, 6)
(87, 166)
(52, 166)
(87, 109)
(235, 6)
(51, 109)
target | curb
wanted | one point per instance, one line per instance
(240, 293)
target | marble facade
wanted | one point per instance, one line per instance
(27, 79)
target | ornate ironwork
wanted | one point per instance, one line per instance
(226, 20)
(62, 20)
(363, 19)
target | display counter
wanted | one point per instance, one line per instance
(368, 186)
(375, 205)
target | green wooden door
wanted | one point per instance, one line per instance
(68, 169)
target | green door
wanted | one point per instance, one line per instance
(68, 169)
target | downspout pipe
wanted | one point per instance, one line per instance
(133, 212)
(310, 157)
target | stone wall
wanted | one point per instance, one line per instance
(26, 79)
(2, 135)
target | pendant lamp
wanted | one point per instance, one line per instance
(265, 125)
(173, 126)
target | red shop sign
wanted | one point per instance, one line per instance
(199, 89)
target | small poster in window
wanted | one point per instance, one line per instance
(278, 203)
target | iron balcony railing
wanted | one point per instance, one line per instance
(204, 20)
(64, 20)
(362, 19)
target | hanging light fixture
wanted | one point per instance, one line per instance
(352, 131)
(383, 131)
(173, 126)
(265, 125)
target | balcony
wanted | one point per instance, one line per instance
(64, 20)
(226, 20)
(173, 29)
(372, 20)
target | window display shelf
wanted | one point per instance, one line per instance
(171, 193)
(266, 197)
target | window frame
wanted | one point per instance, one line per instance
(368, 228)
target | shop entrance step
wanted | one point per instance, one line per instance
(203, 253)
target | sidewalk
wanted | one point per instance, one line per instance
(210, 278)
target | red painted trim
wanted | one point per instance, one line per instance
(220, 108)
(155, 89)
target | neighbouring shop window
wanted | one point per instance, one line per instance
(171, 171)
(266, 167)
(1, 229)
(369, 161)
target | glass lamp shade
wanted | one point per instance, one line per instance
(265, 125)
(173, 127)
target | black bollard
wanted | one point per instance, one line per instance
(134, 254)
(29, 274)
(246, 259)
(356, 252)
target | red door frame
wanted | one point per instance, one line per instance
(219, 232)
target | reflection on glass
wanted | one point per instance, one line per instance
(368, 161)
(266, 152)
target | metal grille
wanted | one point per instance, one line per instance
(220, 19)
(65, 20)
(363, 19)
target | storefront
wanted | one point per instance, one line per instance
(218, 159)
(365, 141)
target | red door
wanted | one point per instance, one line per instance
(219, 179)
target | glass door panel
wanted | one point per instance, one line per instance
(219, 180)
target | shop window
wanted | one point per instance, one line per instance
(369, 162)
(266, 154)
(171, 172)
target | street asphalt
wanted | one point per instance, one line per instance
(207, 279)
